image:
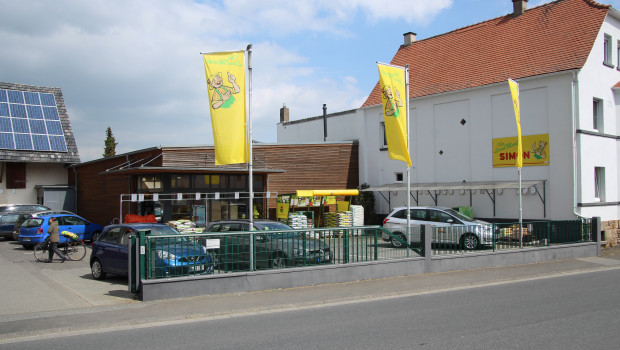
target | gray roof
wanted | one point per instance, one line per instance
(70, 157)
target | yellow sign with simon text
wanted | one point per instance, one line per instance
(535, 151)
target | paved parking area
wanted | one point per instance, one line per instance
(28, 286)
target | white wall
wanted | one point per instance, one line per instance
(36, 174)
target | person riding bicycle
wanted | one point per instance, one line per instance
(54, 238)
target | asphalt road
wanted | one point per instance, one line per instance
(61, 304)
(575, 311)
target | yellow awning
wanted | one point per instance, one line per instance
(312, 193)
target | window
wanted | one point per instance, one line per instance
(399, 177)
(180, 181)
(597, 114)
(15, 175)
(383, 136)
(599, 183)
(607, 47)
(618, 54)
(149, 183)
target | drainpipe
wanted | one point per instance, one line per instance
(324, 122)
(575, 123)
(75, 186)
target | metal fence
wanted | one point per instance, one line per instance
(220, 253)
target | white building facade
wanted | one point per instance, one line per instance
(454, 132)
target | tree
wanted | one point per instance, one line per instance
(110, 144)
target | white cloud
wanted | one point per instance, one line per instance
(134, 65)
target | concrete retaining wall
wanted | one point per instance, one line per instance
(307, 276)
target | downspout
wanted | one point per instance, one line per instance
(575, 123)
(75, 186)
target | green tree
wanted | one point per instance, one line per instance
(110, 144)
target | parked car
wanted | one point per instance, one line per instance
(22, 208)
(34, 229)
(20, 217)
(177, 256)
(277, 249)
(460, 229)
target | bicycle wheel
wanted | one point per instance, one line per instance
(75, 250)
(40, 252)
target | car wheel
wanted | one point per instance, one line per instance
(396, 243)
(470, 241)
(95, 236)
(278, 262)
(96, 270)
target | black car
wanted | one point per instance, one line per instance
(276, 245)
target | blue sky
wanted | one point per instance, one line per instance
(134, 65)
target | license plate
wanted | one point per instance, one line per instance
(26, 239)
(196, 268)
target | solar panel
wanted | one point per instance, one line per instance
(30, 121)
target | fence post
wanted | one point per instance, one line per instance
(596, 230)
(345, 248)
(142, 264)
(426, 234)
(376, 242)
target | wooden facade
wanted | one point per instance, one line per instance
(286, 169)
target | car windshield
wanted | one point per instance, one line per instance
(459, 215)
(161, 231)
(271, 226)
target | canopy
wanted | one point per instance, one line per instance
(476, 185)
(312, 193)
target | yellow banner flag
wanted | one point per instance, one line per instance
(393, 97)
(514, 91)
(226, 84)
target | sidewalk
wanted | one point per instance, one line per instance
(128, 313)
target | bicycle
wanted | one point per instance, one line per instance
(75, 250)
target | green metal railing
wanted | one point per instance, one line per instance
(219, 253)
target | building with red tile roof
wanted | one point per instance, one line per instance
(565, 56)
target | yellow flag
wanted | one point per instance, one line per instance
(514, 91)
(226, 84)
(393, 97)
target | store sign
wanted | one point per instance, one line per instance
(535, 151)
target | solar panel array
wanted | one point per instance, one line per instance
(30, 121)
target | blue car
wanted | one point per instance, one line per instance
(169, 254)
(34, 229)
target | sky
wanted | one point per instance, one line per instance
(135, 65)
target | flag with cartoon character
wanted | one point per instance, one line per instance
(392, 84)
(226, 85)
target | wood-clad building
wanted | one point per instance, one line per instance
(175, 182)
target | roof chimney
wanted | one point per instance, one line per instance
(519, 6)
(284, 114)
(410, 37)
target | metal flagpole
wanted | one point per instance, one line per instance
(520, 212)
(408, 167)
(250, 170)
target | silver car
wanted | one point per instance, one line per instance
(449, 227)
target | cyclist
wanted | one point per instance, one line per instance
(54, 238)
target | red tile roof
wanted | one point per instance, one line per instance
(554, 37)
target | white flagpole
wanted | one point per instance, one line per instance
(250, 170)
(408, 167)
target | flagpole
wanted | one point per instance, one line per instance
(250, 169)
(408, 167)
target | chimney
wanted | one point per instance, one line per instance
(410, 37)
(284, 114)
(519, 6)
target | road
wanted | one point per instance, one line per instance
(563, 304)
(576, 311)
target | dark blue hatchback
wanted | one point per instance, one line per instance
(169, 253)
